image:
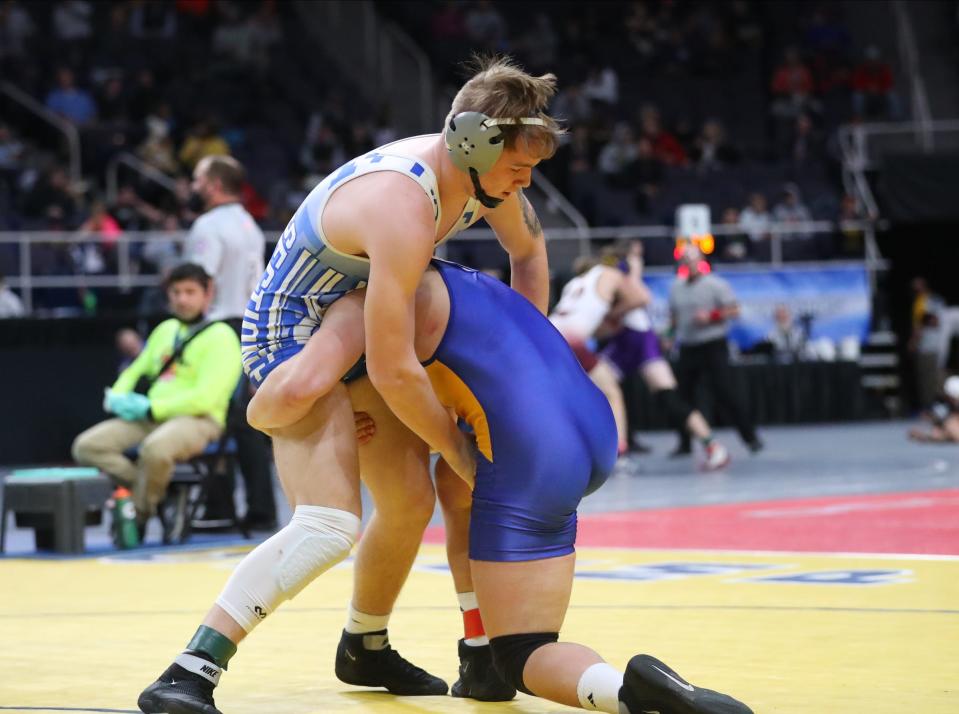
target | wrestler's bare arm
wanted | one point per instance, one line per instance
(519, 232)
(630, 294)
(399, 244)
(290, 391)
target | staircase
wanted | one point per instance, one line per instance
(879, 363)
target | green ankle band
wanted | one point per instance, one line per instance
(212, 643)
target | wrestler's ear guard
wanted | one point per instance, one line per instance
(474, 140)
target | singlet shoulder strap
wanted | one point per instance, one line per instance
(384, 160)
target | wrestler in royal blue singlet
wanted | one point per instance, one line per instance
(551, 431)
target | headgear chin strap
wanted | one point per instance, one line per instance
(475, 142)
(481, 195)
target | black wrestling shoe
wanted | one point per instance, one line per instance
(478, 679)
(178, 691)
(651, 687)
(355, 664)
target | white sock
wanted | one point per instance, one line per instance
(468, 602)
(598, 688)
(360, 623)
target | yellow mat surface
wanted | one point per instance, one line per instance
(790, 634)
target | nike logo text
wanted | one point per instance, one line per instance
(687, 687)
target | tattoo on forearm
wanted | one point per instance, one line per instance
(530, 218)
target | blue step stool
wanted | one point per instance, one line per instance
(58, 503)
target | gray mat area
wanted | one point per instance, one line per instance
(798, 462)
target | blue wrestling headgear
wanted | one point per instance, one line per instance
(475, 142)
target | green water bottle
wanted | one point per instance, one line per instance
(125, 531)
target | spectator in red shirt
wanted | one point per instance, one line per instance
(792, 86)
(666, 147)
(872, 85)
(101, 223)
(253, 202)
(102, 230)
(448, 24)
(792, 77)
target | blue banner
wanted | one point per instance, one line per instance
(835, 299)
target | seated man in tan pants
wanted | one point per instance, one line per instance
(172, 400)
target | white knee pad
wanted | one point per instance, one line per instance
(316, 539)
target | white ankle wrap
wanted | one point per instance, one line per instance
(200, 666)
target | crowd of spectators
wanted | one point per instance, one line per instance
(169, 82)
(165, 82)
(641, 141)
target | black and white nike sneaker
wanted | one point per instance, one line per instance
(652, 687)
(186, 687)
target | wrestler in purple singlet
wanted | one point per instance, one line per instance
(634, 345)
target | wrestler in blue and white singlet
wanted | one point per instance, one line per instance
(306, 274)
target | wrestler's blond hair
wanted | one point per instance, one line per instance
(583, 263)
(499, 88)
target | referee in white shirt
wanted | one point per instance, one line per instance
(229, 244)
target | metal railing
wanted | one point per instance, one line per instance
(69, 131)
(863, 145)
(392, 37)
(145, 170)
(127, 246)
(919, 101)
(377, 57)
(555, 197)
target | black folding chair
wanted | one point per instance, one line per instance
(193, 478)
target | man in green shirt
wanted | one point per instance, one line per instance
(183, 403)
